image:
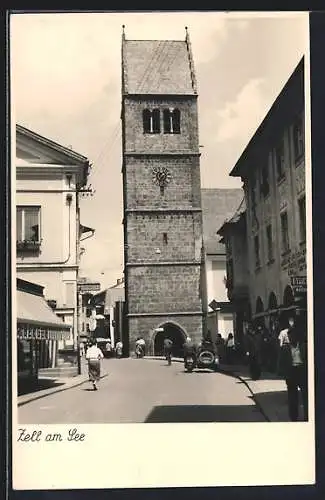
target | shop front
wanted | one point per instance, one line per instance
(38, 332)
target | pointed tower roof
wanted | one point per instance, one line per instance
(157, 67)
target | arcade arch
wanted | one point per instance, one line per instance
(174, 332)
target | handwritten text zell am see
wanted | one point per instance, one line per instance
(36, 436)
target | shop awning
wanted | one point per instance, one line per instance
(35, 319)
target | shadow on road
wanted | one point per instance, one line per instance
(39, 385)
(204, 413)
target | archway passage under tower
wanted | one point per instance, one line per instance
(175, 334)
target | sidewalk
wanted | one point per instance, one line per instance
(269, 392)
(59, 384)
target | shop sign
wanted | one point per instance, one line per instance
(29, 332)
(299, 284)
(88, 287)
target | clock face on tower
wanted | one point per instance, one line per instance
(161, 176)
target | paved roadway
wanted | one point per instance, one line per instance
(141, 390)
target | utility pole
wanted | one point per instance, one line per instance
(79, 318)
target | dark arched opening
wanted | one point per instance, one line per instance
(259, 309)
(146, 121)
(288, 298)
(273, 303)
(273, 319)
(174, 333)
(156, 121)
(176, 118)
(259, 305)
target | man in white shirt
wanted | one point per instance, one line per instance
(94, 356)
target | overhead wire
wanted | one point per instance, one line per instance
(107, 143)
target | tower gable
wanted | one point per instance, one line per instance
(157, 67)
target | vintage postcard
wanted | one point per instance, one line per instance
(162, 271)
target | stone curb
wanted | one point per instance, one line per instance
(49, 392)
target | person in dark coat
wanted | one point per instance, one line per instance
(230, 349)
(220, 347)
(293, 368)
(253, 351)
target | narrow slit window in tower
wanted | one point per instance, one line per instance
(165, 238)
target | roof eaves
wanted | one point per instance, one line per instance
(242, 161)
(52, 144)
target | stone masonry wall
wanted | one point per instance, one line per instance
(160, 289)
(164, 237)
(137, 141)
(183, 190)
(145, 326)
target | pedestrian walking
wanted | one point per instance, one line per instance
(253, 351)
(292, 366)
(168, 345)
(82, 349)
(220, 345)
(94, 356)
(265, 347)
(230, 349)
(108, 348)
(119, 349)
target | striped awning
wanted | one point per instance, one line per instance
(36, 320)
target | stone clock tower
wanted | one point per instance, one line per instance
(163, 256)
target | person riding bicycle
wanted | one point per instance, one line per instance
(168, 344)
(140, 347)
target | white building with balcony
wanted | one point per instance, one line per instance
(49, 180)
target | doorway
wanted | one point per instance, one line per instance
(174, 333)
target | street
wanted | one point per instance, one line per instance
(142, 390)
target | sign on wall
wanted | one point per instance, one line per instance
(88, 287)
(295, 263)
(299, 284)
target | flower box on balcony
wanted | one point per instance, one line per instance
(28, 245)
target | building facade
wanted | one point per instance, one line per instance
(164, 258)
(49, 180)
(217, 206)
(234, 237)
(272, 168)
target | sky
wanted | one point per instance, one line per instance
(66, 85)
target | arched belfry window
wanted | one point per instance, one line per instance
(146, 121)
(151, 121)
(172, 121)
(176, 121)
(167, 121)
(156, 121)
